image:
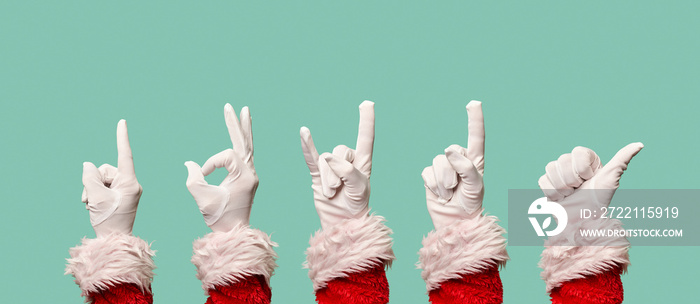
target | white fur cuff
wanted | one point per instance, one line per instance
(100, 263)
(565, 263)
(224, 258)
(353, 245)
(465, 247)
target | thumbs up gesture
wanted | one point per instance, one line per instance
(577, 180)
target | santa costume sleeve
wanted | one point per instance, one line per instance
(586, 274)
(235, 266)
(113, 269)
(347, 261)
(461, 262)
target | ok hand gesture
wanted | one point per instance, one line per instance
(228, 204)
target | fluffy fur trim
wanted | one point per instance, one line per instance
(353, 245)
(465, 247)
(104, 262)
(224, 258)
(565, 263)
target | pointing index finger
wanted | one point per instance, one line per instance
(125, 160)
(477, 136)
(365, 138)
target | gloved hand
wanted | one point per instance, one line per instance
(454, 183)
(228, 204)
(577, 180)
(340, 180)
(112, 194)
(465, 246)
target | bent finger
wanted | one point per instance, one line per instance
(108, 173)
(428, 175)
(344, 152)
(548, 189)
(445, 176)
(556, 179)
(466, 170)
(565, 167)
(356, 182)
(585, 162)
(224, 159)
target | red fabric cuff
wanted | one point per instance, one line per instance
(602, 288)
(121, 294)
(366, 287)
(478, 288)
(250, 290)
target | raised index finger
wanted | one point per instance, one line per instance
(365, 138)
(477, 136)
(125, 160)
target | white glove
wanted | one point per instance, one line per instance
(341, 179)
(464, 241)
(577, 180)
(228, 204)
(454, 183)
(112, 194)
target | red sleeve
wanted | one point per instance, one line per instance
(479, 288)
(367, 287)
(251, 290)
(602, 288)
(121, 294)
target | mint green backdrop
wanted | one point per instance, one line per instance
(551, 74)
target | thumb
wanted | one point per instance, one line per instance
(195, 177)
(92, 180)
(464, 167)
(471, 192)
(356, 183)
(329, 180)
(613, 170)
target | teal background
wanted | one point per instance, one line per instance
(551, 74)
